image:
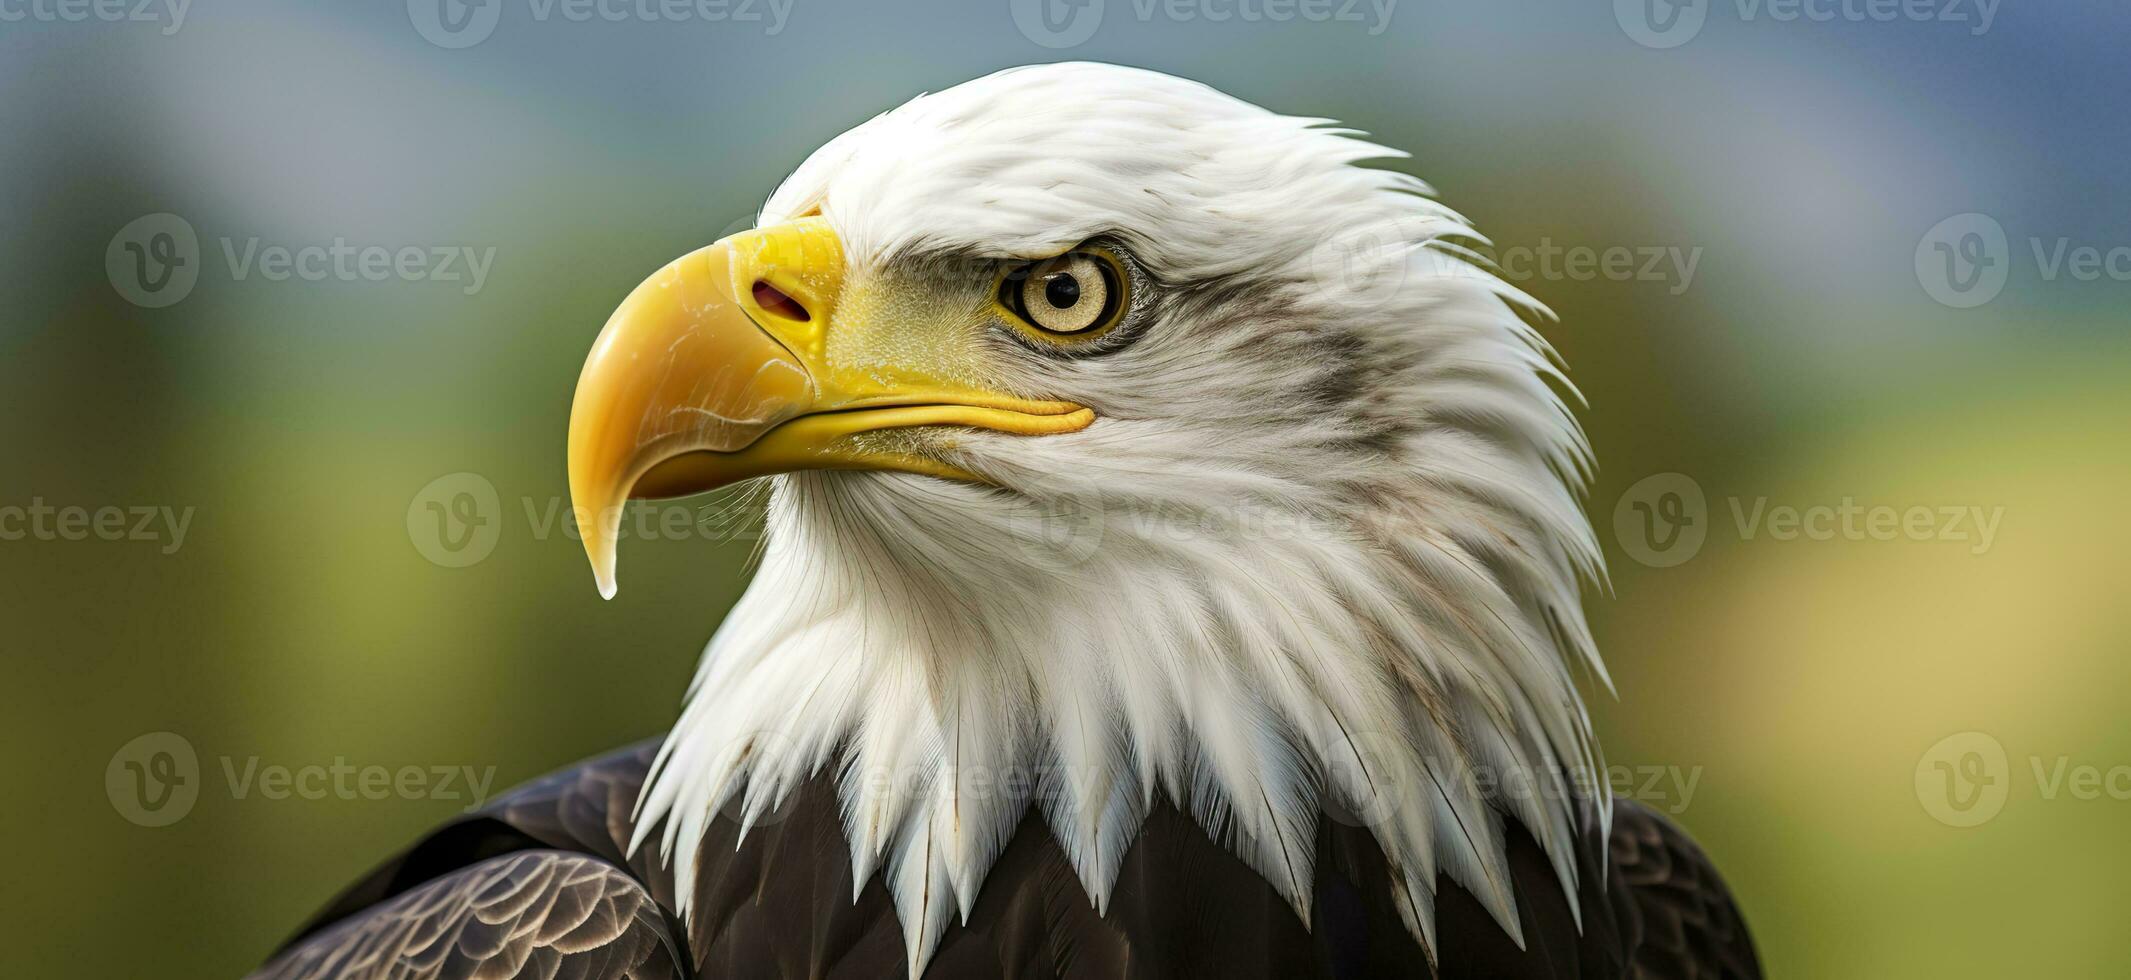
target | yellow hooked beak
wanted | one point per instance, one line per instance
(721, 367)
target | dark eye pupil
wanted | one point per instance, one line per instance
(1062, 291)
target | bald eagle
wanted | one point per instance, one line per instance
(1174, 558)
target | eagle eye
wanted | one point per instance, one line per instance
(1075, 296)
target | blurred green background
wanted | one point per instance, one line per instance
(1801, 682)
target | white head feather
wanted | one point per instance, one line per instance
(1321, 553)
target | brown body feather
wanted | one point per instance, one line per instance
(780, 905)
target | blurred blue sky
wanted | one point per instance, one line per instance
(1805, 157)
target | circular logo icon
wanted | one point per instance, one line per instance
(1057, 23)
(154, 261)
(1364, 267)
(1661, 23)
(455, 520)
(763, 769)
(1058, 533)
(1962, 781)
(1367, 771)
(153, 780)
(455, 24)
(1662, 520)
(1963, 261)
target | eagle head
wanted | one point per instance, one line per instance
(1127, 445)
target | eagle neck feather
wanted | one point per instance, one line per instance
(952, 658)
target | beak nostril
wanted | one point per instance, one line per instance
(775, 302)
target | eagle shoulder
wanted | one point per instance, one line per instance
(781, 902)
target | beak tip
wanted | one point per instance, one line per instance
(601, 550)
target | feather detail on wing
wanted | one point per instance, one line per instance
(540, 913)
